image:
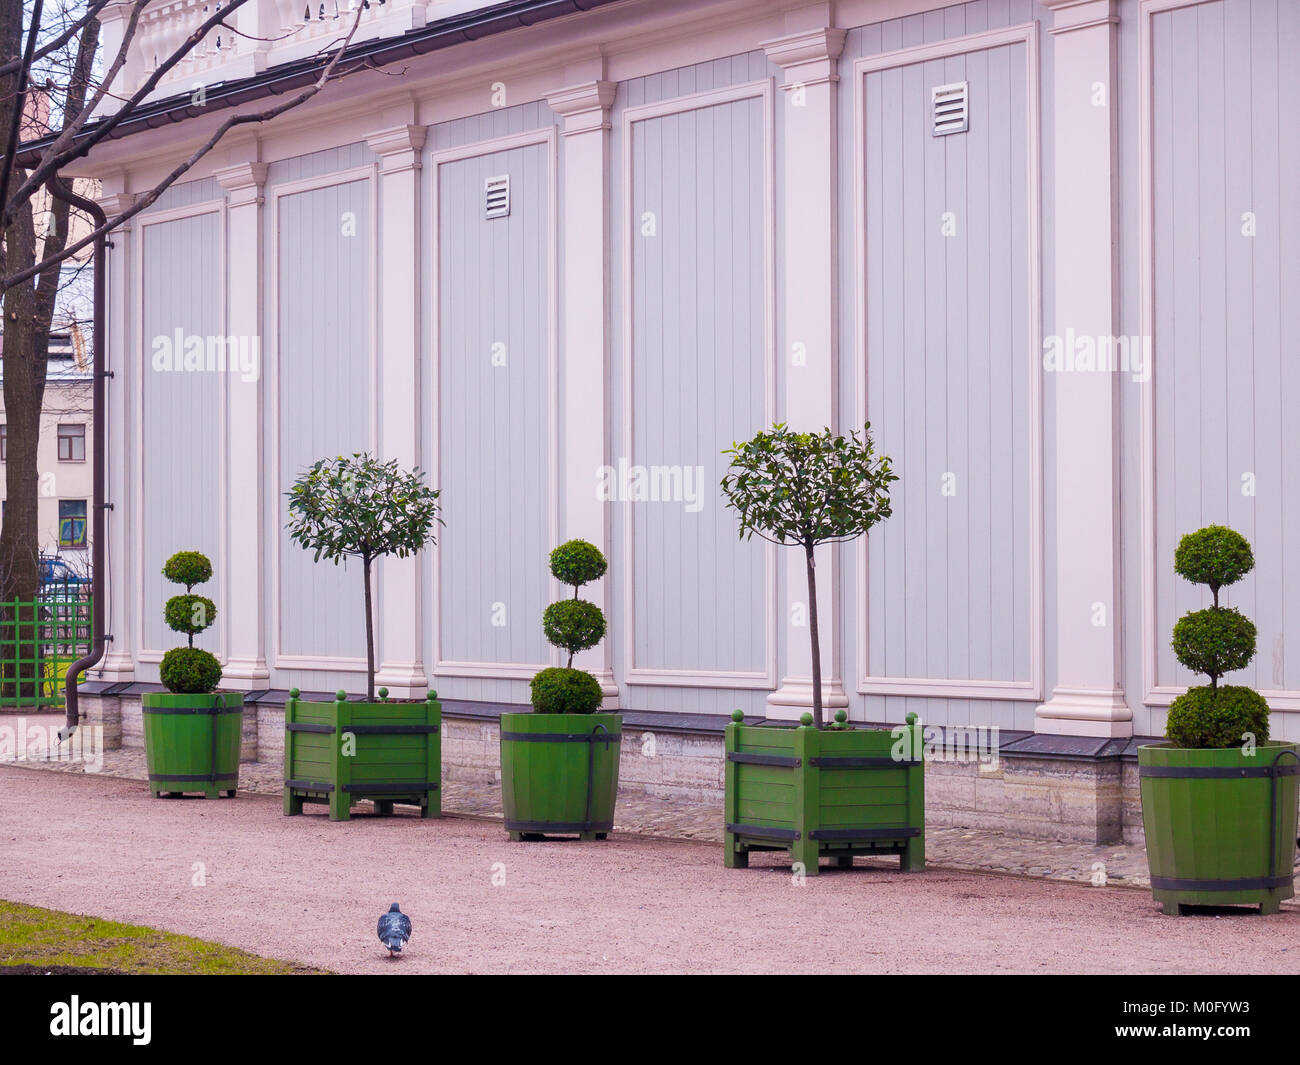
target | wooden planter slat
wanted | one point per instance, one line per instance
(823, 793)
(385, 766)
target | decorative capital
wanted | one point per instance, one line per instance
(117, 202)
(808, 58)
(585, 107)
(1071, 15)
(398, 146)
(243, 182)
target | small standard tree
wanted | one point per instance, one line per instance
(366, 509)
(1215, 641)
(807, 489)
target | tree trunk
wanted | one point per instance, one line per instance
(816, 638)
(370, 635)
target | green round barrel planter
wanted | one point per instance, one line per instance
(191, 742)
(559, 774)
(1220, 824)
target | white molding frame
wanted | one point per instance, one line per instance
(764, 91)
(1154, 693)
(145, 219)
(279, 659)
(546, 136)
(1030, 690)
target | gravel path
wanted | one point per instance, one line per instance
(309, 890)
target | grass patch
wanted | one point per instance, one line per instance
(31, 936)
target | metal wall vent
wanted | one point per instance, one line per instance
(496, 197)
(951, 108)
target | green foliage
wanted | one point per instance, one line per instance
(188, 568)
(1214, 641)
(362, 507)
(573, 624)
(577, 562)
(1216, 556)
(1217, 717)
(807, 488)
(189, 670)
(565, 691)
(189, 613)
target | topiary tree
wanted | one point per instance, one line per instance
(1215, 641)
(361, 507)
(807, 489)
(573, 625)
(189, 670)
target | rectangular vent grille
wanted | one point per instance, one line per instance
(496, 197)
(951, 108)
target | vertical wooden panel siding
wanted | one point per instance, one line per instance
(180, 439)
(494, 409)
(948, 371)
(698, 373)
(324, 355)
(1226, 153)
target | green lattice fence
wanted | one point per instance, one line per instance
(39, 640)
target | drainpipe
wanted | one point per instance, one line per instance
(98, 638)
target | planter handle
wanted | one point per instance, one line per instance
(1274, 774)
(591, 765)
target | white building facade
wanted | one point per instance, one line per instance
(1044, 246)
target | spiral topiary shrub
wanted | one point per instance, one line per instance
(559, 776)
(192, 732)
(1219, 798)
(572, 625)
(188, 670)
(1215, 641)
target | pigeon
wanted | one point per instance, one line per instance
(394, 929)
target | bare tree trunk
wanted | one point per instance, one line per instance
(816, 638)
(370, 636)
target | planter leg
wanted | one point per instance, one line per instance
(588, 836)
(808, 852)
(1171, 909)
(292, 803)
(212, 792)
(340, 805)
(1271, 905)
(733, 857)
(432, 804)
(516, 837)
(912, 860)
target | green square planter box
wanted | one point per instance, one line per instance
(191, 742)
(1220, 824)
(339, 753)
(559, 774)
(823, 793)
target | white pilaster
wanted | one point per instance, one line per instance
(1088, 699)
(245, 627)
(118, 663)
(810, 60)
(401, 622)
(584, 350)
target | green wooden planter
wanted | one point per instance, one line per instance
(823, 793)
(191, 742)
(339, 753)
(559, 774)
(1220, 825)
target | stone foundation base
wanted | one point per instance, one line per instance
(1040, 787)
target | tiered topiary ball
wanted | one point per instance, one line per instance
(573, 625)
(189, 669)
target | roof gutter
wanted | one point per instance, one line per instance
(287, 77)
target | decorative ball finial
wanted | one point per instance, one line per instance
(805, 718)
(737, 715)
(911, 717)
(841, 716)
(293, 693)
(341, 696)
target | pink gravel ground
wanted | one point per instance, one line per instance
(309, 890)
